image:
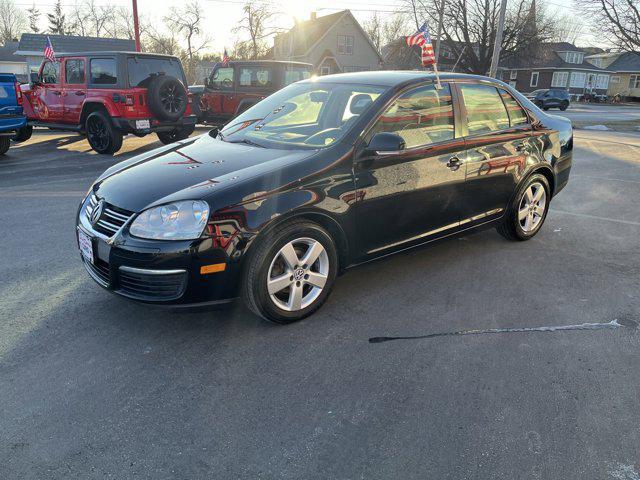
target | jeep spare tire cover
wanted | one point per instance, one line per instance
(167, 98)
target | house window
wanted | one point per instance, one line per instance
(602, 81)
(512, 83)
(534, 79)
(559, 79)
(634, 81)
(345, 44)
(577, 79)
(614, 79)
(597, 62)
(325, 70)
(573, 57)
(513, 75)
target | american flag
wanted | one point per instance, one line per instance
(48, 51)
(225, 58)
(423, 40)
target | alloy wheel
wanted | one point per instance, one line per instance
(97, 134)
(297, 274)
(171, 98)
(532, 207)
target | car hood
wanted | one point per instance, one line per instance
(191, 169)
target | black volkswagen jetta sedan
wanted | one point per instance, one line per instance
(324, 174)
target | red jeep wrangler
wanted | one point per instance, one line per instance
(106, 95)
(233, 88)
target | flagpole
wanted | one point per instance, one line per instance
(435, 70)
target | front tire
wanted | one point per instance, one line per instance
(564, 106)
(291, 272)
(23, 134)
(4, 144)
(528, 210)
(102, 135)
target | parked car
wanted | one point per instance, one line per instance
(12, 120)
(107, 95)
(231, 89)
(547, 98)
(324, 174)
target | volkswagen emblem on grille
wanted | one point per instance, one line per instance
(96, 213)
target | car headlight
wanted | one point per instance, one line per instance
(174, 221)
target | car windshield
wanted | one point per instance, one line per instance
(303, 115)
(141, 69)
(538, 92)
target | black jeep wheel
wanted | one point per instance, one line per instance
(23, 134)
(4, 144)
(167, 98)
(175, 135)
(102, 135)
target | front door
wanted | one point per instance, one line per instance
(221, 101)
(46, 97)
(497, 137)
(74, 89)
(415, 194)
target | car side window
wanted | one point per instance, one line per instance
(50, 72)
(103, 71)
(485, 111)
(222, 78)
(421, 116)
(74, 71)
(517, 115)
(256, 77)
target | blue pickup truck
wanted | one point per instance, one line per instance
(13, 123)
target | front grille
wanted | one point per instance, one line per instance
(151, 284)
(99, 270)
(111, 219)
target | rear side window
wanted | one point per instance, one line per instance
(142, 69)
(517, 115)
(74, 71)
(485, 111)
(103, 71)
(50, 72)
(421, 116)
(256, 77)
(294, 74)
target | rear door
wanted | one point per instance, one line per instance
(497, 138)
(74, 88)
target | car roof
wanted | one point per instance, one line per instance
(269, 62)
(391, 78)
(112, 53)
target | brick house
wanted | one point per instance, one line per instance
(556, 65)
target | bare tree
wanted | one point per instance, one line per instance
(12, 21)
(373, 28)
(33, 17)
(257, 23)
(616, 20)
(567, 29)
(470, 28)
(188, 21)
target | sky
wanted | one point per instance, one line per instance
(222, 15)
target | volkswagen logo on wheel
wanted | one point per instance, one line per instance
(97, 212)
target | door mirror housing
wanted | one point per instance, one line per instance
(386, 143)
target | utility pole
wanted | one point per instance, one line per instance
(440, 20)
(495, 58)
(136, 25)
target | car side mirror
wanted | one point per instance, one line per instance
(386, 143)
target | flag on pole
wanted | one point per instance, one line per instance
(225, 58)
(48, 51)
(423, 40)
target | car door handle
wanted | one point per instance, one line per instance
(56, 92)
(80, 93)
(454, 163)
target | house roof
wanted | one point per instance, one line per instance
(547, 57)
(7, 53)
(627, 62)
(33, 44)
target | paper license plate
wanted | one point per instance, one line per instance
(142, 124)
(86, 246)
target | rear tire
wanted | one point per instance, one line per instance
(4, 144)
(291, 272)
(103, 137)
(564, 106)
(528, 211)
(175, 135)
(23, 134)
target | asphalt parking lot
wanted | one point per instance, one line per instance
(93, 386)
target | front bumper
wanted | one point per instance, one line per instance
(164, 273)
(127, 125)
